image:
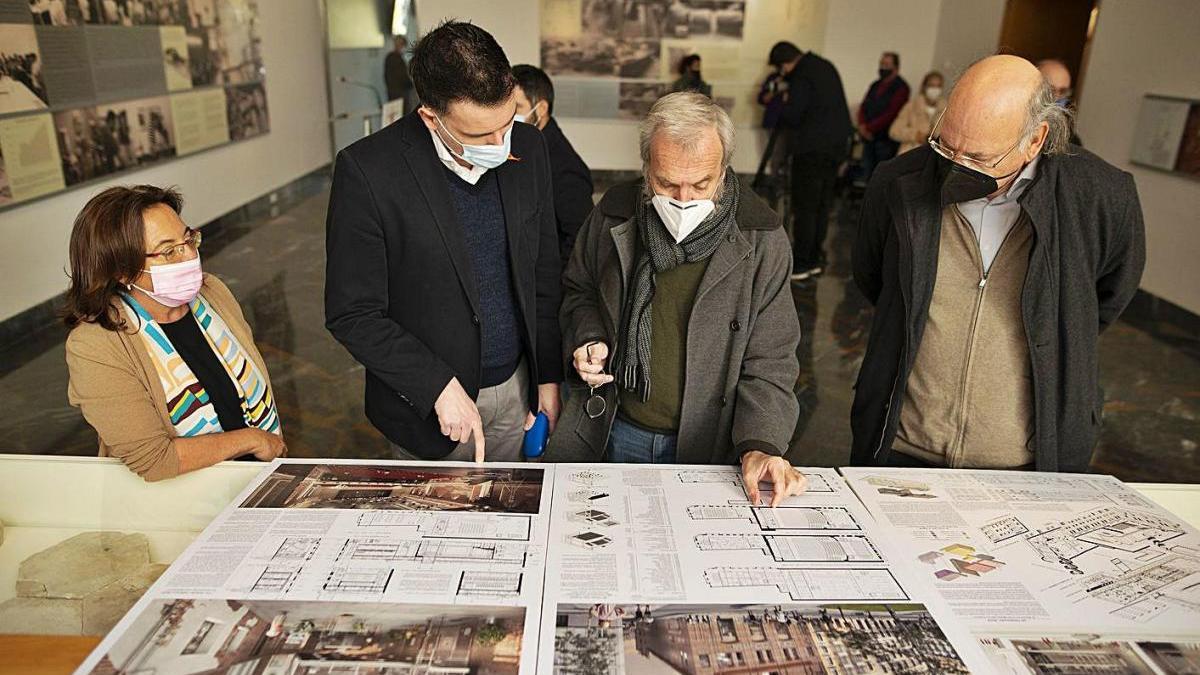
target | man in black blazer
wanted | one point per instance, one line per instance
(443, 264)
(573, 188)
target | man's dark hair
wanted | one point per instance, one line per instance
(783, 52)
(536, 84)
(460, 61)
(895, 58)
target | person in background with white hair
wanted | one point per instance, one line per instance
(676, 313)
(994, 256)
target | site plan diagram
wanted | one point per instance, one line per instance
(1044, 568)
(673, 569)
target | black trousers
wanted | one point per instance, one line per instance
(813, 177)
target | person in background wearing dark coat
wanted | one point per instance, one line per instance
(572, 180)
(443, 272)
(817, 123)
(395, 75)
(994, 257)
(883, 102)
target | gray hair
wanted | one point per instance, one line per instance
(1043, 108)
(679, 116)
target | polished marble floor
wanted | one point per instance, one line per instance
(275, 267)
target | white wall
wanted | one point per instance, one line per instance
(858, 32)
(968, 30)
(35, 236)
(1148, 48)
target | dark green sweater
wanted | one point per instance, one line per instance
(671, 309)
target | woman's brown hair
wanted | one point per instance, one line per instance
(108, 250)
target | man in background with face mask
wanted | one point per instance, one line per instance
(443, 265)
(994, 257)
(676, 313)
(884, 100)
(572, 180)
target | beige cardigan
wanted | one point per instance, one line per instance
(912, 126)
(114, 384)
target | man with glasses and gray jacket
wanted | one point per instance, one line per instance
(994, 257)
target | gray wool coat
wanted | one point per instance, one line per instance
(741, 338)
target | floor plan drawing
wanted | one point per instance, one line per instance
(812, 584)
(297, 548)
(462, 526)
(355, 580)
(795, 548)
(679, 552)
(435, 551)
(1050, 552)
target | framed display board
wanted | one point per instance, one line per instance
(1167, 135)
(91, 88)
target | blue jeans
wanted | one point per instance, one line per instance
(630, 444)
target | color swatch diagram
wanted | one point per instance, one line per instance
(958, 561)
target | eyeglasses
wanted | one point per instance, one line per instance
(957, 156)
(179, 252)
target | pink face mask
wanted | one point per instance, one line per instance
(175, 284)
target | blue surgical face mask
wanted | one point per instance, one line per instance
(484, 156)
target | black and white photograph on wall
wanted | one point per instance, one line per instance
(119, 12)
(201, 61)
(638, 58)
(21, 84)
(579, 56)
(237, 50)
(86, 146)
(143, 129)
(706, 19)
(59, 12)
(624, 18)
(637, 97)
(247, 111)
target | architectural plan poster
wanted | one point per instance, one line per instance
(352, 567)
(1049, 570)
(672, 569)
(125, 83)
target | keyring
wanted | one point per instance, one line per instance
(595, 406)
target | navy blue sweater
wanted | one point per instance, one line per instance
(481, 215)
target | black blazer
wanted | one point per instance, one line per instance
(573, 188)
(399, 291)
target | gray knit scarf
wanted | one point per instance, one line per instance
(659, 253)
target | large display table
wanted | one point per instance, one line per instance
(46, 500)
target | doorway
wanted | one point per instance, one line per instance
(1051, 29)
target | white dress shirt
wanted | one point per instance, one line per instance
(991, 219)
(471, 175)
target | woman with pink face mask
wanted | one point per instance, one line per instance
(162, 363)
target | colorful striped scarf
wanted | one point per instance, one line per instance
(191, 411)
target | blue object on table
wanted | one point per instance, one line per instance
(536, 437)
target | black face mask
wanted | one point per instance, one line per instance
(884, 72)
(964, 184)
